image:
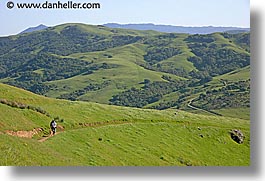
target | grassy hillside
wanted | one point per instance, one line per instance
(96, 134)
(130, 68)
(124, 75)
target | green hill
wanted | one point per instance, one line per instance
(96, 134)
(129, 67)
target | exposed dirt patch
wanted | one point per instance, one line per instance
(30, 134)
(24, 134)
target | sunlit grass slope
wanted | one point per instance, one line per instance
(117, 135)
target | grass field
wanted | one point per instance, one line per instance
(96, 134)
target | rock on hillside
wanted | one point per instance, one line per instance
(237, 136)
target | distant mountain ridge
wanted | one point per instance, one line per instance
(161, 28)
(32, 29)
(177, 29)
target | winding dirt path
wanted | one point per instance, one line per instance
(60, 129)
(200, 109)
(47, 137)
(24, 134)
(30, 134)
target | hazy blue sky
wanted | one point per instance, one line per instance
(171, 12)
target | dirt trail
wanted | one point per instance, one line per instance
(59, 130)
(104, 123)
(30, 134)
(24, 134)
(200, 109)
(45, 138)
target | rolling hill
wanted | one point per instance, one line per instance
(144, 69)
(124, 98)
(127, 67)
(94, 134)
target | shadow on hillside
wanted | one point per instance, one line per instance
(235, 172)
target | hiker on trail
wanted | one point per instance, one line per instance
(53, 126)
